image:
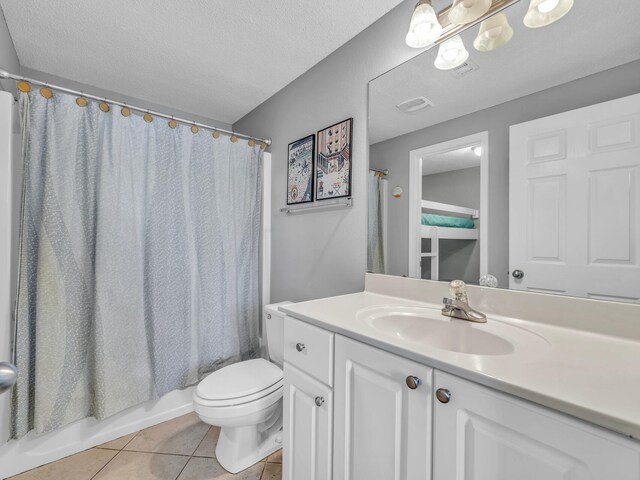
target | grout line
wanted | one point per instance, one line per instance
(201, 440)
(194, 451)
(132, 438)
(158, 453)
(104, 466)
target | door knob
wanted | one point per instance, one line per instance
(8, 376)
(300, 346)
(413, 382)
(518, 274)
(319, 401)
(443, 395)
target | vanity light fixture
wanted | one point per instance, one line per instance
(451, 54)
(466, 11)
(494, 32)
(424, 28)
(544, 12)
(477, 150)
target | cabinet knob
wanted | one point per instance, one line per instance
(443, 395)
(517, 274)
(300, 347)
(268, 316)
(319, 401)
(413, 382)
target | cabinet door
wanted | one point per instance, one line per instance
(382, 427)
(308, 412)
(481, 434)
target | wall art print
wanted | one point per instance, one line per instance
(300, 171)
(333, 161)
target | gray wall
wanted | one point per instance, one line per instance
(393, 154)
(320, 254)
(458, 259)
(8, 57)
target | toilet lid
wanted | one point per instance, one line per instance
(239, 380)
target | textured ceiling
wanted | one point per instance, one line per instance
(215, 58)
(594, 36)
(449, 161)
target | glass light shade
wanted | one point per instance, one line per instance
(424, 28)
(466, 11)
(544, 12)
(451, 54)
(494, 32)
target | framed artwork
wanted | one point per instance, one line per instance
(333, 161)
(300, 170)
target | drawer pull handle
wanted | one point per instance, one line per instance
(413, 382)
(300, 347)
(443, 395)
(319, 401)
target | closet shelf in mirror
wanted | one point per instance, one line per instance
(338, 203)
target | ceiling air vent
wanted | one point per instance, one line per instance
(414, 104)
(464, 69)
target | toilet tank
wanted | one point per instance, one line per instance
(274, 329)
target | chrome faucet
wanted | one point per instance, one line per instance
(458, 306)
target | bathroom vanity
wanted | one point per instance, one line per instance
(380, 385)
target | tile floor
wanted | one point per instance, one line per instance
(179, 449)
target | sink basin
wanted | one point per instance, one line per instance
(427, 326)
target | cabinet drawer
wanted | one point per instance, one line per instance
(309, 348)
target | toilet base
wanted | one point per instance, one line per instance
(240, 447)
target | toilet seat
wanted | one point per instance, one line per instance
(239, 383)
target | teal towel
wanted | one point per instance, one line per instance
(444, 221)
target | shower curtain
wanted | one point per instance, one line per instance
(375, 251)
(138, 260)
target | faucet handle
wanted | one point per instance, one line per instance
(447, 301)
(458, 290)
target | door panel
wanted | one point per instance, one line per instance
(574, 209)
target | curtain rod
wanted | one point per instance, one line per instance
(18, 78)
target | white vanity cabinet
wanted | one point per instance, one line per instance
(308, 401)
(351, 414)
(482, 434)
(382, 427)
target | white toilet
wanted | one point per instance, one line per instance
(245, 400)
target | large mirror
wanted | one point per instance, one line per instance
(520, 167)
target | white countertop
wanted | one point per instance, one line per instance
(592, 376)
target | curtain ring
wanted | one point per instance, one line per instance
(81, 101)
(46, 92)
(104, 106)
(172, 123)
(125, 111)
(147, 117)
(24, 86)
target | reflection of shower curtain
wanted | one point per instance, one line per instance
(375, 248)
(138, 261)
